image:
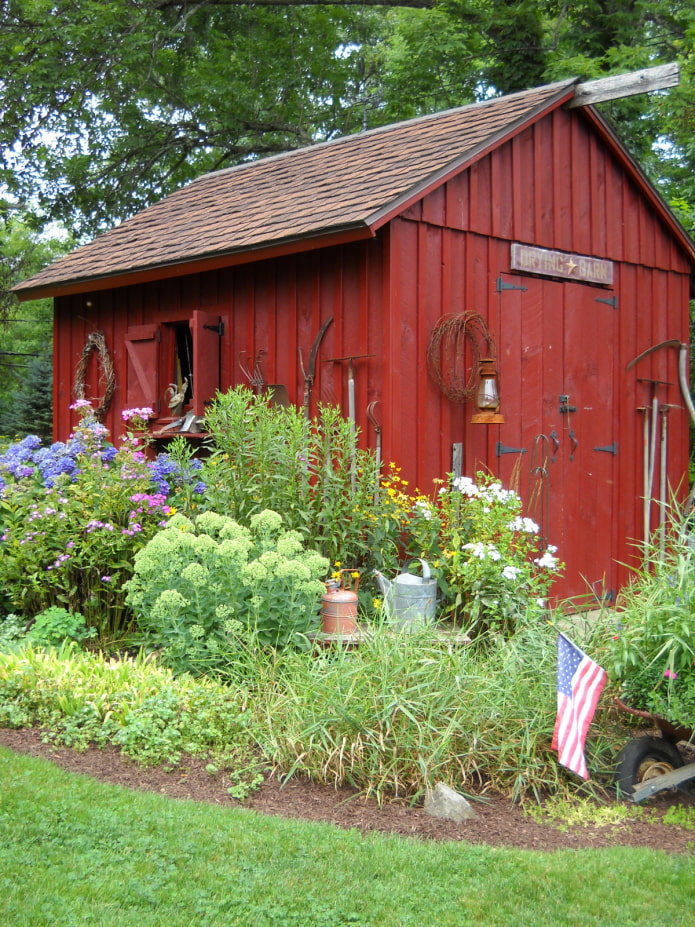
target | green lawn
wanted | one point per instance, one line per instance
(74, 851)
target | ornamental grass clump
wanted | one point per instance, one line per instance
(201, 587)
(651, 647)
(402, 712)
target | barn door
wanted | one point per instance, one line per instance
(557, 445)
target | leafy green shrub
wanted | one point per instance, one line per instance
(198, 586)
(651, 653)
(55, 625)
(82, 698)
(12, 631)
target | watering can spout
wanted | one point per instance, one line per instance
(383, 583)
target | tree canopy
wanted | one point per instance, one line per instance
(106, 107)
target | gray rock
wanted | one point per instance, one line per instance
(444, 802)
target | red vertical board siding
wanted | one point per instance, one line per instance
(560, 169)
(285, 347)
(434, 207)
(523, 189)
(453, 302)
(243, 320)
(430, 309)
(649, 229)
(402, 410)
(543, 183)
(579, 182)
(501, 193)
(628, 422)
(631, 224)
(508, 334)
(458, 200)
(480, 196)
(332, 391)
(597, 192)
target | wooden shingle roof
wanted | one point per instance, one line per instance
(337, 190)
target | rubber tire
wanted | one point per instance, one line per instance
(634, 760)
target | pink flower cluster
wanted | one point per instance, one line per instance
(137, 415)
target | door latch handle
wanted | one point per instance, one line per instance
(575, 443)
(556, 445)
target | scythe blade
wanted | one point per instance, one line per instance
(673, 343)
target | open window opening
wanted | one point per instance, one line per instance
(174, 368)
(180, 389)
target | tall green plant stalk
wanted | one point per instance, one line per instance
(264, 457)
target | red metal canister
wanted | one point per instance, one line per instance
(339, 605)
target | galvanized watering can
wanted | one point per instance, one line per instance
(410, 600)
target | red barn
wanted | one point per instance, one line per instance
(517, 228)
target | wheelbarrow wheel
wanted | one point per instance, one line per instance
(644, 758)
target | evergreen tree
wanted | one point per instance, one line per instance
(29, 410)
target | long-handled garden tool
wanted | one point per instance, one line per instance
(377, 448)
(310, 371)
(253, 375)
(350, 358)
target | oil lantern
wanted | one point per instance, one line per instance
(488, 398)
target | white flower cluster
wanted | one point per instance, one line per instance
(483, 551)
(423, 508)
(494, 493)
(548, 561)
(466, 486)
(523, 524)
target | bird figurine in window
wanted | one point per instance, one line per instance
(175, 396)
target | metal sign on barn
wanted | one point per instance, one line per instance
(580, 267)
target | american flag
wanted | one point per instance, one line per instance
(579, 685)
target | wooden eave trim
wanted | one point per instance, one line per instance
(165, 271)
(417, 192)
(643, 182)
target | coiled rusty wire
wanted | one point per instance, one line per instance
(454, 353)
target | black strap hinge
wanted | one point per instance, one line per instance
(501, 449)
(503, 285)
(219, 328)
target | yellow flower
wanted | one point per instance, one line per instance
(338, 563)
(355, 574)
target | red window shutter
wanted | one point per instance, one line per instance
(142, 383)
(207, 334)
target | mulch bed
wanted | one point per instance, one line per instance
(500, 822)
